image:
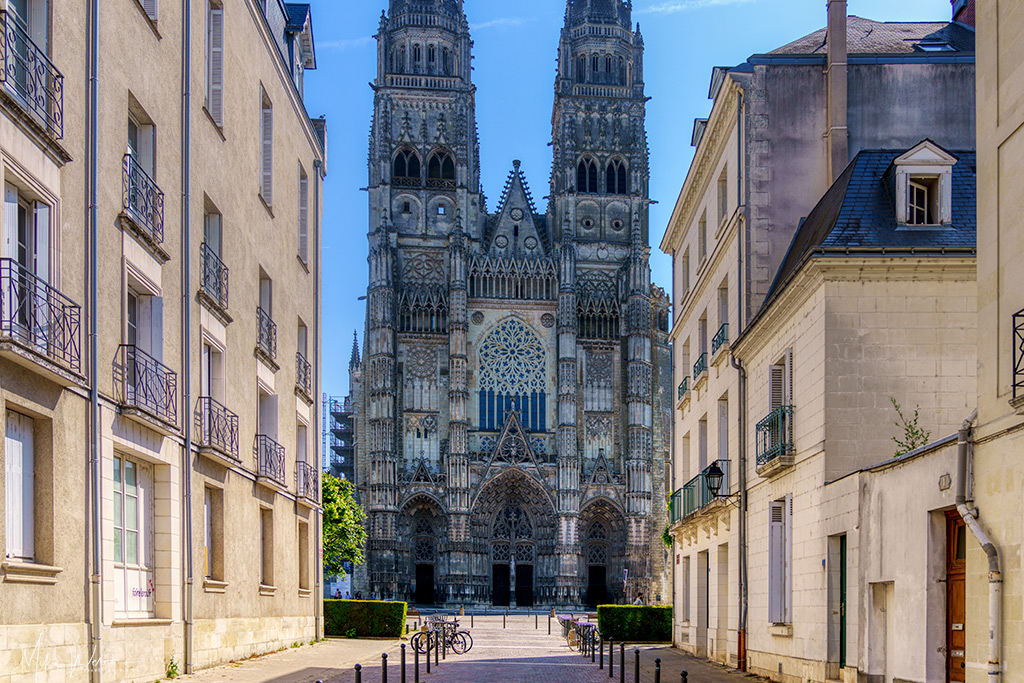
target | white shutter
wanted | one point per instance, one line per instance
(10, 245)
(787, 593)
(723, 431)
(150, 7)
(156, 318)
(776, 563)
(42, 241)
(19, 471)
(39, 23)
(304, 217)
(788, 387)
(267, 155)
(215, 75)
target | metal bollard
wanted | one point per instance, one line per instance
(471, 620)
(536, 622)
(428, 651)
(444, 647)
(436, 649)
(359, 673)
(636, 665)
(600, 655)
(503, 619)
(549, 624)
(384, 667)
(402, 676)
(622, 663)
(611, 657)
(682, 676)
(416, 665)
(657, 670)
(593, 647)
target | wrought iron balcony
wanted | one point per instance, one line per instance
(216, 428)
(142, 200)
(775, 435)
(720, 339)
(267, 334)
(31, 77)
(684, 387)
(701, 366)
(675, 506)
(215, 277)
(1018, 356)
(308, 480)
(697, 493)
(38, 317)
(303, 376)
(144, 383)
(269, 460)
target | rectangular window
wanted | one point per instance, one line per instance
(781, 382)
(144, 319)
(780, 558)
(723, 429)
(266, 294)
(684, 458)
(723, 304)
(27, 224)
(702, 443)
(303, 340)
(134, 554)
(215, 61)
(150, 6)
(266, 149)
(213, 538)
(267, 415)
(684, 274)
(303, 556)
(212, 372)
(303, 216)
(702, 331)
(686, 589)
(922, 201)
(301, 442)
(723, 195)
(213, 225)
(266, 547)
(19, 480)
(702, 237)
(142, 142)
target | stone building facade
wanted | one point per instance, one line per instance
(515, 415)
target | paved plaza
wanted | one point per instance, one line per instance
(520, 651)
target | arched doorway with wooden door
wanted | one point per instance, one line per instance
(423, 523)
(602, 535)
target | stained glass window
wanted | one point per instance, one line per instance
(512, 364)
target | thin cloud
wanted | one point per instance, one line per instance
(688, 5)
(504, 22)
(345, 44)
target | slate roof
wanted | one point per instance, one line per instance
(297, 13)
(865, 36)
(859, 213)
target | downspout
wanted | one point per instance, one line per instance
(92, 152)
(186, 315)
(741, 645)
(318, 522)
(995, 577)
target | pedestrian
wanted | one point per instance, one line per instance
(373, 596)
(639, 599)
(359, 595)
(348, 596)
(337, 594)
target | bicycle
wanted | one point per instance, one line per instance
(445, 634)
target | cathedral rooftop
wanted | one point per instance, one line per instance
(579, 12)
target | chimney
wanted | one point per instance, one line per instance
(963, 12)
(837, 135)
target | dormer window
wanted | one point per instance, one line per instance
(924, 187)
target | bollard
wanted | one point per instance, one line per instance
(471, 620)
(611, 657)
(402, 676)
(593, 647)
(503, 620)
(636, 665)
(359, 673)
(622, 663)
(428, 651)
(415, 665)
(384, 667)
(536, 622)
(549, 624)
(657, 670)
(600, 655)
(444, 646)
(682, 676)
(436, 648)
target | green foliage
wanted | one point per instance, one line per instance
(666, 538)
(364, 618)
(172, 669)
(344, 530)
(913, 435)
(635, 623)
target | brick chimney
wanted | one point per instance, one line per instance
(837, 135)
(963, 12)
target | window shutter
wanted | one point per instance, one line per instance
(156, 313)
(788, 388)
(208, 536)
(19, 473)
(42, 239)
(788, 559)
(776, 382)
(304, 218)
(267, 166)
(150, 7)
(216, 57)
(776, 568)
(38, 24)
(10, 245)
(723, 432)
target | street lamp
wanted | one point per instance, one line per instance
(713, 475)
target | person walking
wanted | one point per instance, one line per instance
(639, 599)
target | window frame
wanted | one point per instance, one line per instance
(266, 170)
(214, 103)
(303, 246)
(145, 529)
(24, 500)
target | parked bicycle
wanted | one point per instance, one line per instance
(442, 633)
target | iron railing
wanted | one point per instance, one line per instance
(775, 435)
(440, 184)
(697, 494)
(216, 427)
(1018, 355)
(31, 77)
(308, 481)
(675, 506)
(145, 383)
(267, 333)
(701, 366)
(215, 276)
(303, 376)
(38, 316)
(720, 339)
(142, 199)
(269, 459)
(684, 387)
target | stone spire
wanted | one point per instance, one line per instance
(353, 362)
(579, 12)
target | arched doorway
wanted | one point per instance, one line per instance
(424, 559)
(603, 539)
(597, 554)
(512, 553)
(422, 523)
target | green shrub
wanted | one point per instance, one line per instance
(368, 618)
(635, 623)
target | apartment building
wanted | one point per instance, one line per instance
(778, 135)
(160, 372)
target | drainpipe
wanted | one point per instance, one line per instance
(995, 577)
(186, 316)
(92, 152)
(318, 521)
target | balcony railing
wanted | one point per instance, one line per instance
(684, 387)
(142, 199)
(216, 427)
(31, 77)
(1018, 355)
(38, 316)
(441, 183)
(267, 334)
(399, 181)
(675, 506)
(696, 493)
(269, 459)
(303, 376)
(775, 435)
(701, 366)
(720, 339)
(145, 383)
(215, 277)
(308, 480)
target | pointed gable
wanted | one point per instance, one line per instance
(516, 230)
(513, 448)
(602, 473)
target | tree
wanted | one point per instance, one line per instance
(913, 435)
(344, 532)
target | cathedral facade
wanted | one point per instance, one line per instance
(516, 405)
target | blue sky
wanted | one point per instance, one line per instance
(514, 66)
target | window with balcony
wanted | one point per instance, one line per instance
(780, 561)
(303, 215)
(134, 538)
(215, 61)
(19, 480)
(32, 80)
(775, 431)
(303, 368)
(269, 454)
(266, 148)
(142, 199)
(266, 344)
(142, 380)
(307, 474)
(405, 169)
(441, 170)
(215, 274)
(216, 426)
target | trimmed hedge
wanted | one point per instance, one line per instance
(369, 618)
(635, 623)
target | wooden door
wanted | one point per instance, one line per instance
(956, 597)
(500, 585)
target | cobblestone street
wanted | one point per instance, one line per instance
(519, 653)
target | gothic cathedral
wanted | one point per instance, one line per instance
(516, 405)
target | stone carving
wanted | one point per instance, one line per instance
(596, 284)
(424, 269)
(512, 360)
(599, 426)
(602, 251)
(512, 524)
(422, 362)
(600, 366)
(547, 320)
(478, 318)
